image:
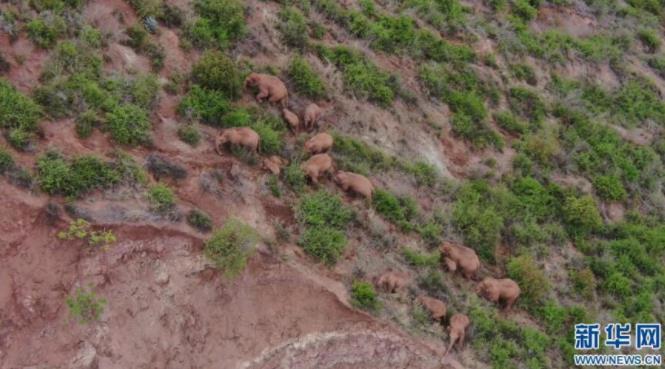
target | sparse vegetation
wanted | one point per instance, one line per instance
(162, 198)
(84, 306)
(199, 220)
(80, 229)
(305, 79)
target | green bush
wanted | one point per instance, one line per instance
(324, 218)
(424, 173)
(649, 39)
(527, 104)
(357, 156)
(199, 220)
(510, 123)
(85, 123)
(529, 276)
(324, 243)
(295, 177)
(476, 217)
(361, 76)
(57, 176)
(525, 73)
(419, 259)
(323, 209)
(306, 81)
(189, 134)
(639, 100)
(610, 188)
(45, 31)
(6, 161)
(85, 306)
(584, 282)
(16, 110)
(476, 131)
(162, 198)
(581, 214)
(293, 28)
(399, 210)
(524, 10)
(271, 139)
(364, 297)
(129, 125)
(231, 246)
(217, 71)
(209, 106)
(220, 23)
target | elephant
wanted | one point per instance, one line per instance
(241, 136)
(391, 281)
(311, 115)
(355, 183)
(292, 119)
(319, 143)
(499, 289)
(462, 257)
(457, 331)
(317, 165)
(274, 164)
(270, 87)
(436, 307)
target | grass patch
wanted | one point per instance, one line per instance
(199, 220)
(364, 296)
(84, 306)
(59, 176)
(162, 198)
(306, 81)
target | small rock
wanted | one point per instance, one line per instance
(86, 358)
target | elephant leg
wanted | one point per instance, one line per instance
(510, 302)
(460, 341)
(263, 93)
(451, 264)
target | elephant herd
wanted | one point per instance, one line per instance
(319, 163)
(455, 257)
(465, 260)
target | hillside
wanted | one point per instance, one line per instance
(132, 236)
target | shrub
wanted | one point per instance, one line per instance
(295, 177)
(323, 209)
(324, 243)
(364, 297)
(581, 214)
(85, 123)
(584, 282)
(82, 230)
(362, 77)
(207, 105)
(189, 134)
(475, 216)
(6, 161)
(306, 81)
(45, 31)
(475, 130)
(527, 104)
(531, 279)
(524, 10)
(525, 73)
(271, 139)
(419, 259)
(638, 100)
(217, 71)
(424, 173)
(231, 246)
(399, 210)
(85, 306)
(129, 125)
(221, 23)
(199, 220)
(610, 188)
(161, 167)
(293, 28)
(649, 39)
(324, 217)
(360, 157)
(16, 110)
(510, 123)
(162, 198)
(83, 174)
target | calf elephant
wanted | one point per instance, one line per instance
(274, 164)
(244, 137)
(436, 307)
(312, 114)
(291, 119)
(270, 87)
(355, 183)
(499, 289)
(319, 143)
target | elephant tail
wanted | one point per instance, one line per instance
(285, 102)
